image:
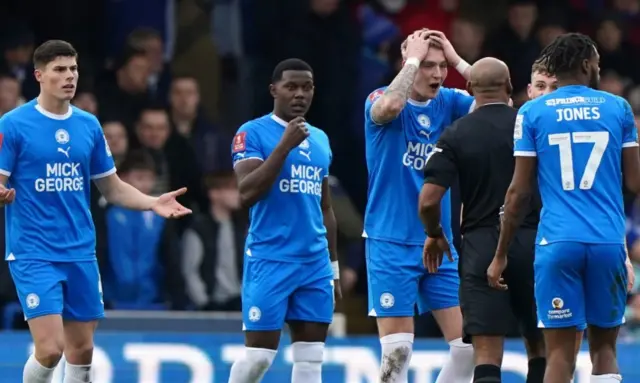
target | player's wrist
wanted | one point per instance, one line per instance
(335, 266)
(462, 66)
(437, 233)
(412, 61)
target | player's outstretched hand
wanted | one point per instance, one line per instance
(167, 206)
(433, 253)
(453, 58)
(417, 45)
(494, 273)
(6, 195)
(295, 132)
(631, 275)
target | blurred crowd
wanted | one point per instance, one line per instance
(171, 81)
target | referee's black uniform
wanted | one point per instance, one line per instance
(478, 149)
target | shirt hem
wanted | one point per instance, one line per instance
(395, 240)
(90, 258)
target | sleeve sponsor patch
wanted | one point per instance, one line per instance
(240, 142)
(517, 129)
(376, 95)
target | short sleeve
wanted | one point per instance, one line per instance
(8, 147)
(524, 144)
(368, 104)
(102, 164)
(629, 129)
(330, 155)
(462, 102)
(441, 168)
(246, 145)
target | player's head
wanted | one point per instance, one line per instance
(138, 169)
(432, 73)
(489, 81)
(573, 57)
(541, 81)
(292, 88)
(222, 189)
(56, 69)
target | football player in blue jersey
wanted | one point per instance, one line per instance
(49, 151)
(402, 125)
(578, 141)
(291, 266)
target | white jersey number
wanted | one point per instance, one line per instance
(600, 140)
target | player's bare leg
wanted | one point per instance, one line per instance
(602, 348)
(48, 338)
(396, 340)
(537, 360)
(459, 367)
(561, 354)
(488, 351)
(261, 348)
(78, 350)
(307, 345)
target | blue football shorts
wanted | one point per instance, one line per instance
(275, 292)
(70, 289)
(580, 283)
(398, 280)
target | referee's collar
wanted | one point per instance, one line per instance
(491, 103)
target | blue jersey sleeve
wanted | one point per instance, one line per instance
(524, 144)
(246, 145)
(462, 102)
(8, 147)
(102, 164)
(371, 99)
(629, 129)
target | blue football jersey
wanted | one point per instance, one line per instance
(286, 224)
(396, 153)
(50, 160)
(578, 134)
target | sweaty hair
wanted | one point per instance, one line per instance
(50, 50)
(566, 53)
(137, 160)
(289, 64)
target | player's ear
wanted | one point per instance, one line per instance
(272, 90)
(585, 67)
(469, 88)
(510, 87)
(37, 73)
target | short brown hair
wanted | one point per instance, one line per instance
(50, 50)
(539, 67)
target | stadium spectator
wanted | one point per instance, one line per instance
(175, 162)
(213, 248)
(150, 42)
(189, 122)
(467, 37)
(116, 135)
(142, 249)
(9, 93)
(123, 93)
(86, 101)
(17, 46)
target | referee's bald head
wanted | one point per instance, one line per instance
(490, 77)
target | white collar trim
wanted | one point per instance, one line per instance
(53, 115)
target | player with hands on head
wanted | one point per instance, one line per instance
(49, 231)
(403, 123)
(291, 263)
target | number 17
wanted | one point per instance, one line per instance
(564, 141)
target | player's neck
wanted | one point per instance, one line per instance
(415, 96)
(282, 116)
(488, 100)
(569, 82)
(52, 105)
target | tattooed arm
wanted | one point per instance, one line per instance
(391, 103)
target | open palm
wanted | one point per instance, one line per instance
(167, 206)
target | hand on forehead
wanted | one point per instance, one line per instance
(403, 46)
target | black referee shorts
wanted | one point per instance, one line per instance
(488, 311)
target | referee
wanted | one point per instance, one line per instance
(478, 149)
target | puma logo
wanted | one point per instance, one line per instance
(65, 152)
(425, 133)
(306, 154)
